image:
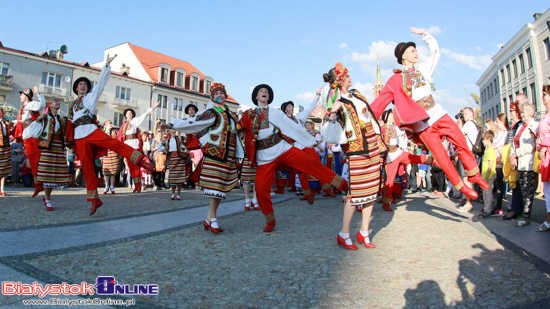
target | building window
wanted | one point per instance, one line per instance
(534, 95)
(181, 105)
(179, 80)
(164, 75)
(510, 98)
(508, 73)
(547, 48)
(529, 58)
(524, 91)
(51, 79)
(195, 84)
(496, 86)
(504, 103)
(117, 119)
(491, 92)
(163, 99)
(123, 93)
(208, 85)
(175, 104)
(4, 68)
(515, 67)
(521, 64)
(502, 76)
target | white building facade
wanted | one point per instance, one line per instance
(522, 65)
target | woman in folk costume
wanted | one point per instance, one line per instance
(111, 162)
(410, 90)
(216, 130)
(397, 157)
(53, 170)
(5, 151)
(178, 163)
(268, 140)
(29, 111)
(89, 141)
(351, 110)
(129, 134)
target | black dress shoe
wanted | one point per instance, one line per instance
(510, 218)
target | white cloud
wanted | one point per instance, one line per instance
(366, 89)
(308, 41)
(343, 46)
(306, 96)
(479, 63)
(434, 30)
(452, 103)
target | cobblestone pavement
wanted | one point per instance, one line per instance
(427, 254)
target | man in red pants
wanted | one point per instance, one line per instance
(90, 142)
(29, 111)
(266, 133)
(428, 123)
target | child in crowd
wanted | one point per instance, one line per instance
(160, 167)
(488, 172)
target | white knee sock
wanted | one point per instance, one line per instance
(344, 236)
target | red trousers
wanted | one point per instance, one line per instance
(33, 153)
(432, 138)
(135, 170)
(391, 171)
(85, 148)
(298, 160)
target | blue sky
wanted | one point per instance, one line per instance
(286, 44)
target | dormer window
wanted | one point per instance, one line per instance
(179, 79)
(195, 83)
(164, 75)
(208, 81)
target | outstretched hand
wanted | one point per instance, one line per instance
(109, 59)
(418, 31)
(158, 103)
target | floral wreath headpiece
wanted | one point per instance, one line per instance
(215, 87)
(341, 74)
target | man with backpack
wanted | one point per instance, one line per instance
(471, 130)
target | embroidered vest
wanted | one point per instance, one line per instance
(218, 135)
(76, 104)
(45, 139)
(182, 150)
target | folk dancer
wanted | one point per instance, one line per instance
(53, 171)
(111, 162)
(351, 110)
(89, 141)
(129, 133)
(397, 158)
(29, 111)
(268, 137)
(216, 130)
(5, 151)
(415, 111)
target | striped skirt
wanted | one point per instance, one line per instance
(217, 178)
(177, 167)
(53, 170)
(111, 163)
(364, 171)
(5, 160)
(248, 173)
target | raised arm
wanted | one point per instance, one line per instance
(303, 115)
(428, 67)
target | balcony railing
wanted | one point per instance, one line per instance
(125, 103)
(52, 91)
(6, 82)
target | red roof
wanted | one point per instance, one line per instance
(151, 61)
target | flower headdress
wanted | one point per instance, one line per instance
(341, 74)
(215, 87)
